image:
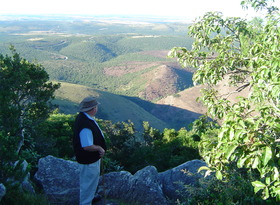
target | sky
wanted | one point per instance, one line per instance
(175, 8)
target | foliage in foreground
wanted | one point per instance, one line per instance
(235, 189)
(164, 150)
(247, 53)
(24, 95)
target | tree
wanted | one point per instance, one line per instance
(248, 54)
(25, 95)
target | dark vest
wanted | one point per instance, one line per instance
(82, 156)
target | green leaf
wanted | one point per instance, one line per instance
(267, 155)
(266, 193)
(241, 161)
(219, 175)
(267, 180)
(258, 184)
(256, 163)
(241, 122)
(276, 173)
(231, 134)
(203, 168)
(230, 150)
(277, 190)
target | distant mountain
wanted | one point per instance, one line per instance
(124, 19)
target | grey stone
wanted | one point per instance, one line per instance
(26, 184)
(175, 180)
(143, 187)
(2, 191)
(59, 179)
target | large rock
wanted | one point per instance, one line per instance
(143, 187)
(2, 191)
(59, 179)
(175, 180)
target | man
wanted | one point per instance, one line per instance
(89, 147)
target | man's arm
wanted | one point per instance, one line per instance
(88, 143)
(95, 148)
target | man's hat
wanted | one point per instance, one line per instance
(87, 104)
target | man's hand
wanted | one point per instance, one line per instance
(101, 152)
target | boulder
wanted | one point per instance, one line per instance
(59, 179)
(174, 180)
(143, 187)
(2, 191)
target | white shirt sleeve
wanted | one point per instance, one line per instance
(86, 137)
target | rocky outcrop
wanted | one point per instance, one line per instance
(60, 181)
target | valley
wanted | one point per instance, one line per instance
(123, 62)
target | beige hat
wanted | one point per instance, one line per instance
(87, 104)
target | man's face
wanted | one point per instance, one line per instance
(93, 111)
